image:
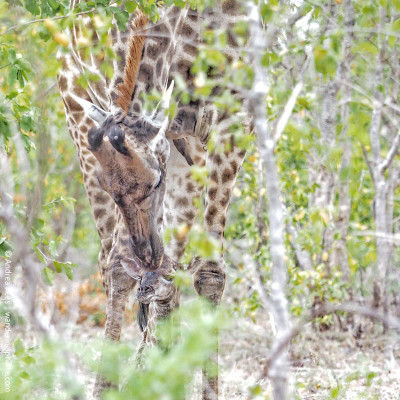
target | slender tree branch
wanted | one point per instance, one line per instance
(257, 108)
(287, 111)
(11, 28)
(392, 152)
(370, 169)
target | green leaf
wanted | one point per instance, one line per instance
(24, 375)
(12, 56)
(48, 276)
(24, 64)
(366, 47)
(26, 123)
(58, 266)
(54, 4)
(19, 347)
(68, 272)
(335, 392)
(44, 33)
(396, 4)
(115, 10)
(53, 248)
(396, 25)
(28, 360)
(5, 127)
(122, 18)
(12, 76)
(32, 6)
(325, 63)
(130, 6)
(40, 256)
(267, 12)
(20, 78)
(12, 95)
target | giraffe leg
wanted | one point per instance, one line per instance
(209, 276)
(209, 283)
(119, 287)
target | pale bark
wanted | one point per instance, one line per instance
(383, 212)
(22, 254)
(279, 371)
(339, 256)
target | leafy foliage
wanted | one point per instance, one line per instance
(49, 198)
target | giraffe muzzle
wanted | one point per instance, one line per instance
(150, 252)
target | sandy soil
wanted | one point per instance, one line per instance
(324, 365)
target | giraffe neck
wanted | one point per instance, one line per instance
(157, 57)
(159, 310)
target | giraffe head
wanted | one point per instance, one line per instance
(132, 153)
(157, 287)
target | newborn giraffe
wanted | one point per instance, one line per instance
(158, 297)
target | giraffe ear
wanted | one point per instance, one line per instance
(132, 268)
(167, 269)
(95, 113)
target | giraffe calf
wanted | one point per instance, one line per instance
(158, 297)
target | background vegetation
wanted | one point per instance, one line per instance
(332, 73)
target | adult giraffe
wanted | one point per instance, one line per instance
(135, 187)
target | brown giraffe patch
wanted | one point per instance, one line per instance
(217, 159)
(91, 161)
(225, 200)
(159, 66)
(62, 83)
(189, 215)
(211, 212)
(136, 107)
(146, 75)
(212, 193)
(227, 175)
(182, 202)
(101, 198)
(190, 187)
(190, 50)
(242, 153)
(99, 212)
(214, 176)
(73, 105)
(187, 30)
(234, 166)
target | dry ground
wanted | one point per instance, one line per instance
(324, 365)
